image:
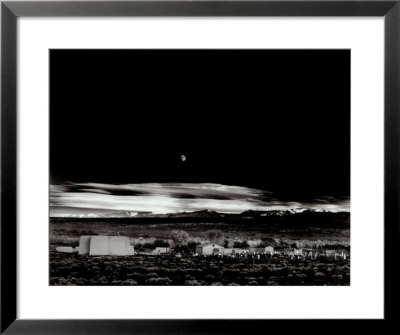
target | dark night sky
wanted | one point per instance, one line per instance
(271, 120)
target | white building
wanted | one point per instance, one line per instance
(229, 251)
(105, 245)
(239, 251)
(210, 249)
(298, 252)
(161, 250)
(256, 250)
(330, 253)
(269, 250)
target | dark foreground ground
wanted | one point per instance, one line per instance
(73, 269)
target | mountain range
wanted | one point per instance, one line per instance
(203, 214)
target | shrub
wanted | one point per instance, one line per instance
(159, 281)
(192, 283)
(130, 282)
(272, 283)
(209, 278)
(253, 283)
(151, 275)
(179, 237)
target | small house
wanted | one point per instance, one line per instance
(298, 252)
(161, 250)
(330, 253)
(210, 249)
(269, 250)
(229, 251)
(256, 250)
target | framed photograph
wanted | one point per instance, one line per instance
(198, 166)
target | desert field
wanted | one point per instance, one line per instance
(80, 270)
(322, 239)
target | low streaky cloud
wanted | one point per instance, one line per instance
(54, 189)
(202, 190)
(163, 198)
(91, 190)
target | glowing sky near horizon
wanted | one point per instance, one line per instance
(71, 199)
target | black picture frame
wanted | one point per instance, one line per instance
(11, 10)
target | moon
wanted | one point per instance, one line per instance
(183, 158)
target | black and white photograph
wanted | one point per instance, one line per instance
(188, 167)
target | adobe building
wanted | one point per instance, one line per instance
(105, 246)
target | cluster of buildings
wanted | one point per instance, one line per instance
(121, 246)
(300, 253)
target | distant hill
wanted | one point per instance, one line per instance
(287, 218)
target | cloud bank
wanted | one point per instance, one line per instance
(162, 198)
